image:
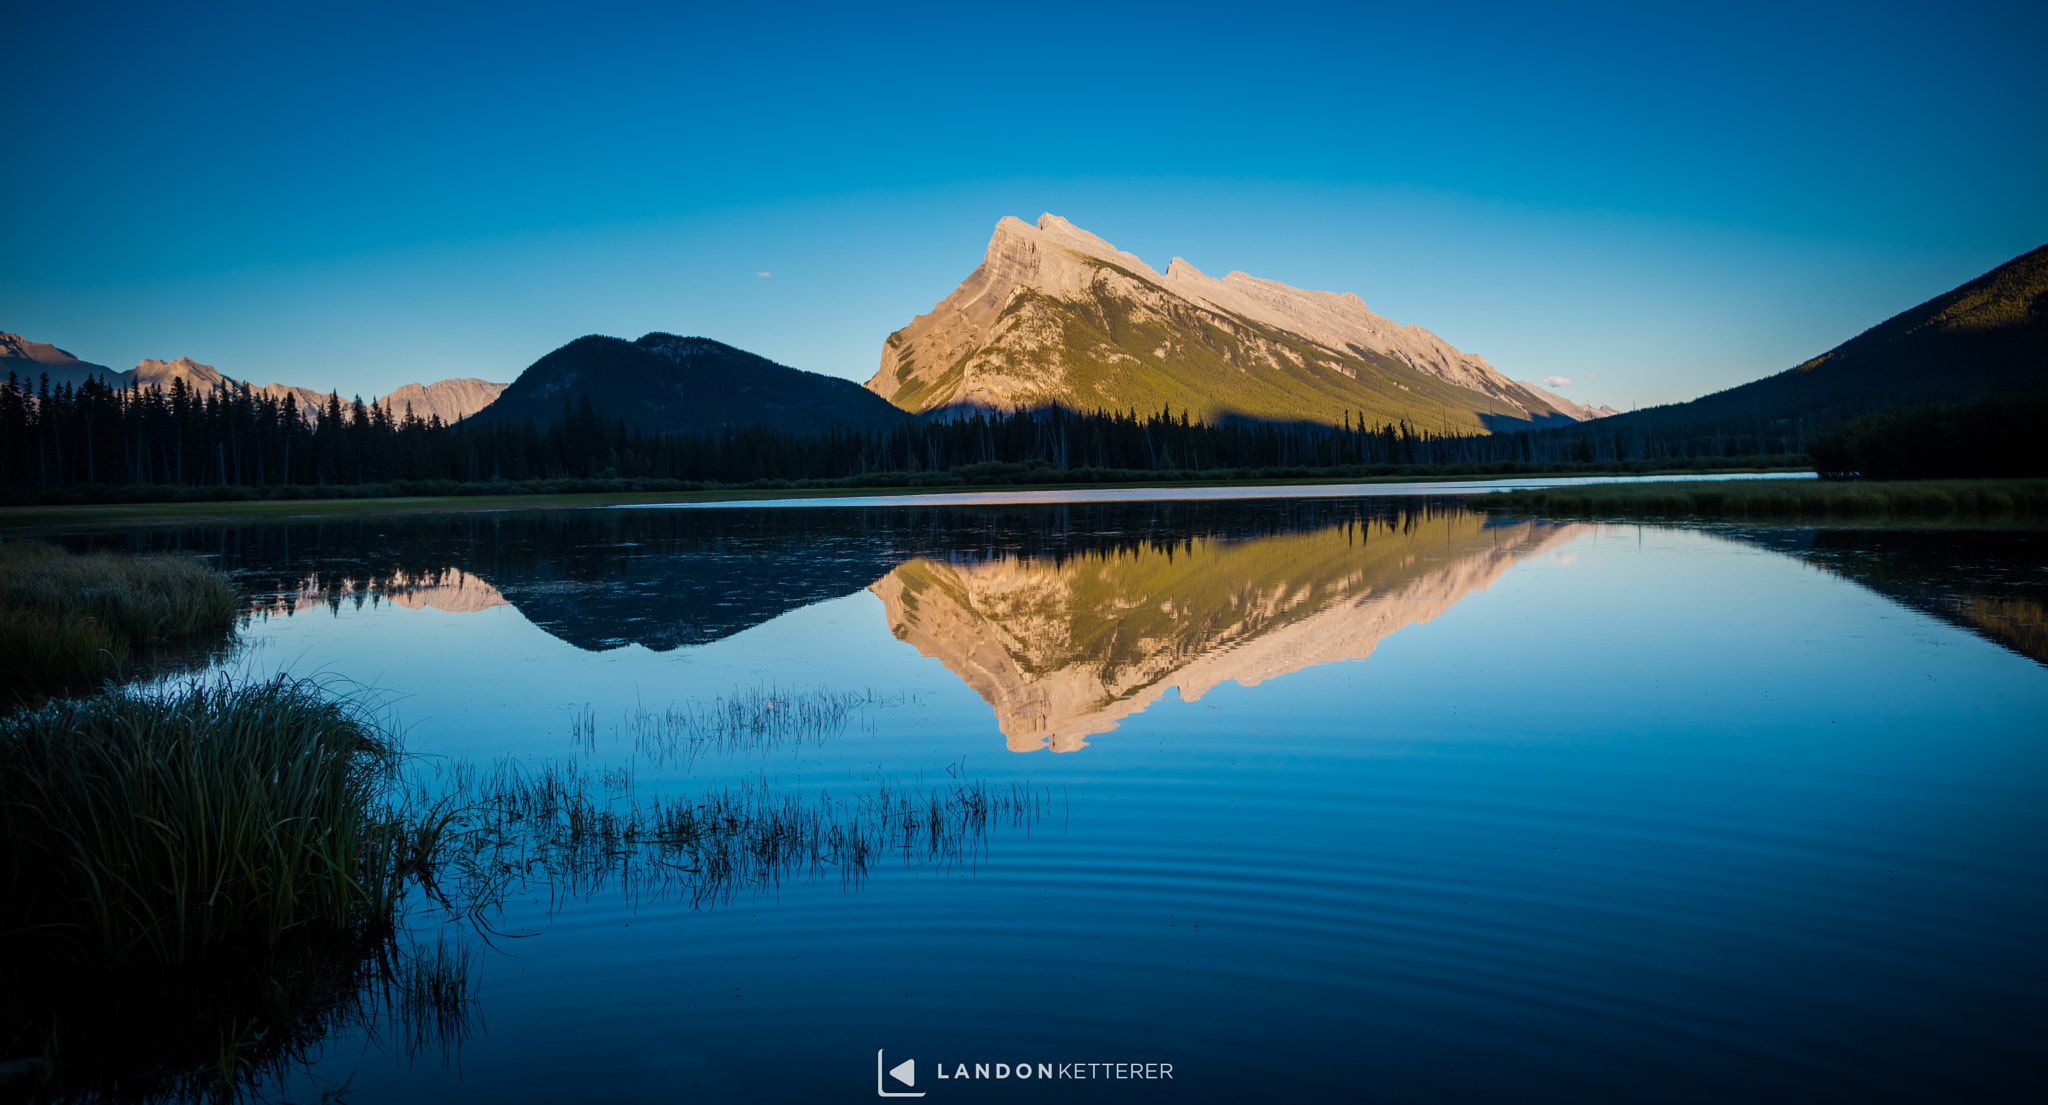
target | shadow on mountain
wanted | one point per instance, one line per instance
(1506, 424)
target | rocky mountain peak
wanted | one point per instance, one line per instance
(149, 371)
(1057, 315)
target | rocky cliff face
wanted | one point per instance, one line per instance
(1057, 316)
(1065, 650)
(449, 400)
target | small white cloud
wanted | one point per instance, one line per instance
(1556, 382)
(763, 275)
(1592, 376)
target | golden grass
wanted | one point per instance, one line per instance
(70, 622)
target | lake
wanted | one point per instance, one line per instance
(1350, 797)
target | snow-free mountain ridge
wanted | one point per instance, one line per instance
(448, 400)
(1056, 316)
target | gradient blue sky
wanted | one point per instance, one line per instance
(1653, 203)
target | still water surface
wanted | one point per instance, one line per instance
(1345, 798)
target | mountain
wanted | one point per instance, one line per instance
(1056, 316)
(668, 384)
(199, 377)
(451, 399)
(31, 360)
(1987, 337)
(1577, 411)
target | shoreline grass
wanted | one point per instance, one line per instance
(199, 884)
(70, 622)
(1994, 501)
(171, 829)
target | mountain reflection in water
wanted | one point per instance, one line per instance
(1063, 649)
(1064, 619)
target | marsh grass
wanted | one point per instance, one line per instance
(196, 884)
(69, 622)
(169, 828)
(1994, 500)
(757, 720)
(573, 831)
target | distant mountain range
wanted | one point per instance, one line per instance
(664, 383)
(31, 360)
(1987, 337)
(1055, 316)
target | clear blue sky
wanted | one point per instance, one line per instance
(1653, 203)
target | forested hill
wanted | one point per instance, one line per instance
(666, 384)
(1986, 338)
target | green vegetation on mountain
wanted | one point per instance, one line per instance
(1222, 371)
(1108, 351)
(1056, 318)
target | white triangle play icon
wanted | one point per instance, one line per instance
(905, 1072)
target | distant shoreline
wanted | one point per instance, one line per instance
(23, 520)
(2022, 501)
(1237, 490)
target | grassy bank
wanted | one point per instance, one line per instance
(70, 622)
(1997, 501)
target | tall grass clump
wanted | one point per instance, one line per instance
(171, 829)
(195, 885)
(69, 622)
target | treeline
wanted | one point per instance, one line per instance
(95, 435)
(1990, 436)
